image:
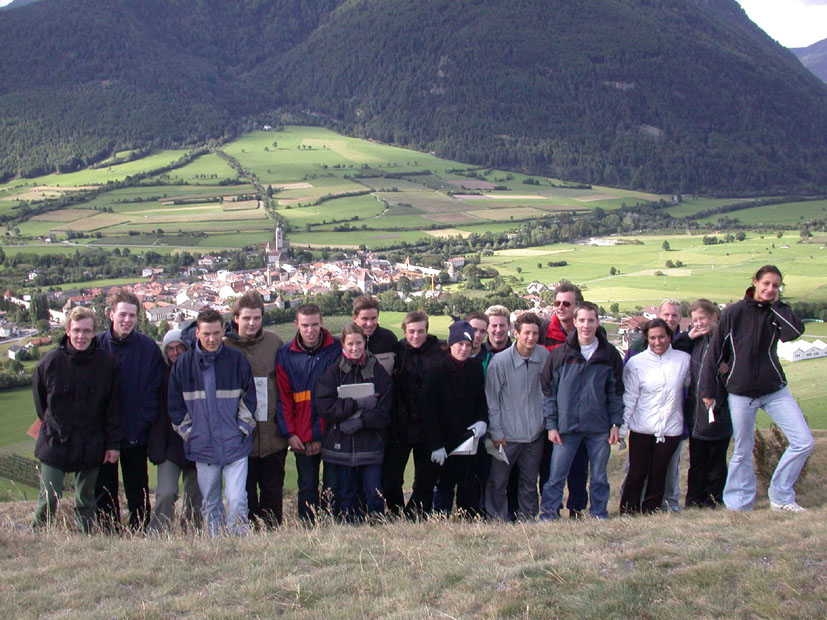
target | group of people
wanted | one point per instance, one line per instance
(498, 427)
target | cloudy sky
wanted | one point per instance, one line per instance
(793, 23)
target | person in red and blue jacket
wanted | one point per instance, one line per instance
(299, 364)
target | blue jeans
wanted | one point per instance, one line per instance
(235, 488)
(598, 449)
(352, 480)
(739, 492)
(307, 468)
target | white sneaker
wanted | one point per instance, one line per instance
(791, 507)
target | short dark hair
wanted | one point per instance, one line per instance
(653, 324)
(767, 269)
(209, 315)
(353, 328)
(527, 318)
(251, 300)
(704, 305)
(480, 316)
(308, 310)
(123, 297)
(365, 302)
(568, 287)
(415, 316)
(587, 305)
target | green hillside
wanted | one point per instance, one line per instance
(687, 96)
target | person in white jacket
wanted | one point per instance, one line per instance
(654, 383)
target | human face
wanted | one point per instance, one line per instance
(461, 350)
(310, 328)
(564, 307)
(368, 320)
(585, 322)
(480, 331)
(527, 338)
(767, 288)
(702, 322)
(123, 317)
(672, 315)
(249, 322)
(658, 340)
(416, 333)
(498, 331)
(353, 346)
(174, 351)
(80, 333)
(209, 335)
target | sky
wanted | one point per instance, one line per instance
(793, 23)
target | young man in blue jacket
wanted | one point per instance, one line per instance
(211, 401)
(141, 372)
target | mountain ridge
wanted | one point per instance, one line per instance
(688, 95)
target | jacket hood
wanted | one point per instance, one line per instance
(67, 348)
(231, 333)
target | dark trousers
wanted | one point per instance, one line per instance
(648, 462)
(310, 502)
(393, 478)
(707, 472)
(359, 490)
(135, 486)
(577, 479)
(458, 473)
(266, 473)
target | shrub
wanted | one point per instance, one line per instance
(767, 452)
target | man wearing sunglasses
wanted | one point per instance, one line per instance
(553, 334)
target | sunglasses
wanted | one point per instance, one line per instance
(565, 304)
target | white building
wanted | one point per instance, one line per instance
(795, 351)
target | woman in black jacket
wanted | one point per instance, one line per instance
(355, 428)
(745, 340)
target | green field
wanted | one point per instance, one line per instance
(207, 169)
(786, 215)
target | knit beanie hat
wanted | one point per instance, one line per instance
(459, 331)
(173, 335)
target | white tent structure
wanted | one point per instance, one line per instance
(795, 351)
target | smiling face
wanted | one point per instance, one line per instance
(80, 333)
(310, 328)
(249, 322)
(174, 350)
(123, 317)
(671, 313)
(209, 335)
(416, 333)
(585, 322)
(767, 288)
(703, 322)
(527, 338)
(658, 340)
(367, 319)
(353, 346)
(498, 331)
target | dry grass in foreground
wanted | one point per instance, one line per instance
(700, 564)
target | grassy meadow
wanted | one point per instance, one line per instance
(699, 563)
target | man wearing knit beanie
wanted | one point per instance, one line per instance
(454, 409)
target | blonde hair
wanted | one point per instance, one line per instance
(79, 313)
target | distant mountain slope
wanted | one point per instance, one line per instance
(671, 95)
(814, 58)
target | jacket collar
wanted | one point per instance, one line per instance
(517, 359)
(327, 340)
(573, 344)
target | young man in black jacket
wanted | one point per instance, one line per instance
(77, 398)
(381, 341)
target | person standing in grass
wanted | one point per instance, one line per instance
(77, 398)
(141, 365)
(212, 400)
(553, 335)
(515, 412)
(709, 435)
(265, 469)
(455, 410)
(166, 450)
(355, 427)
(418, 352)
(299, 365)
(654, 383)
(746, 340)
(583, 406)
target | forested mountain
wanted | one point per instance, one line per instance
(673, 95)
(814, 58)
